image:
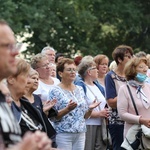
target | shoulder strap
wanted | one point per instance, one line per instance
(94, 96)
(132, 100)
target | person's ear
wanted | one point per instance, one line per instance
(88, 72)
(119, 60)
(11, 80)
(60, 73)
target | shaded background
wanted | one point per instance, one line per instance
(79, 26)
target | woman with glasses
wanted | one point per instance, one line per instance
(41, 64)
(88, 72)
(70, 124)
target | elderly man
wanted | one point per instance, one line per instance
(10, 133)
(50, 53)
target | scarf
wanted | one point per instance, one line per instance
(140, 93)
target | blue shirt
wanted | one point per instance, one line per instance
(74, 121)
(112, 84)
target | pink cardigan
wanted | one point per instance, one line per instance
(126, 109)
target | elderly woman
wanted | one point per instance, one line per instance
(113, 80)
(35, 100)
(87, 69)
(27, 116)
(135, 72)
(102, 67)
(70, 128)
(41, 64)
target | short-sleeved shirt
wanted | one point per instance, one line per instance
(112, 84)
(43, 89)
(9, 127)
(74, 121)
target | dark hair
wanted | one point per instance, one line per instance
(61, 64)
(130, 67)
(120, 51)
(57, 56)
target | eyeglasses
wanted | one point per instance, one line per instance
(92, 68)
(71, 70)
(143, 67)
(44, 66)
(12, 47)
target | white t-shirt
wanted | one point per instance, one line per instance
(43, 89)
(91, 93)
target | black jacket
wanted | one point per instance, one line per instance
(38, 115)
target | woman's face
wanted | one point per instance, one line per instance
(142, 68)
(43, 68)
(33, 81)
(103, 66)
(93, 72)
(69, 72)
(53, 71)
(127, 57)
(20, 83)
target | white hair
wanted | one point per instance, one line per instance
(47, 48)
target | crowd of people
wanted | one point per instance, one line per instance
(54, 102)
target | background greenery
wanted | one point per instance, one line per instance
(91, 26)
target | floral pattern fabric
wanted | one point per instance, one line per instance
(74, 121)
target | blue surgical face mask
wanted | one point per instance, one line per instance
(141, 77)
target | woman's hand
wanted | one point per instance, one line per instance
(71, 105)
(104, 113)
(34, 141)
(48, 105)
(94, 105)
(145, 122)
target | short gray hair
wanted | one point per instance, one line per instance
(47, 48)
(37, 59)
(85, 64)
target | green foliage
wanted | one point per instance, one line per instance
(91, 26)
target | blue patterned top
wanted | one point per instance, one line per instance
(74, 121)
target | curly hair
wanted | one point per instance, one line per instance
(36, 59)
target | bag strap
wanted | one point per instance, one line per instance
(135, 111)
(105, 119)
(132, 100)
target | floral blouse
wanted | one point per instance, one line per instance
(74, 121)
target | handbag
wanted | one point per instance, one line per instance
(105, 133)
(138, 136)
